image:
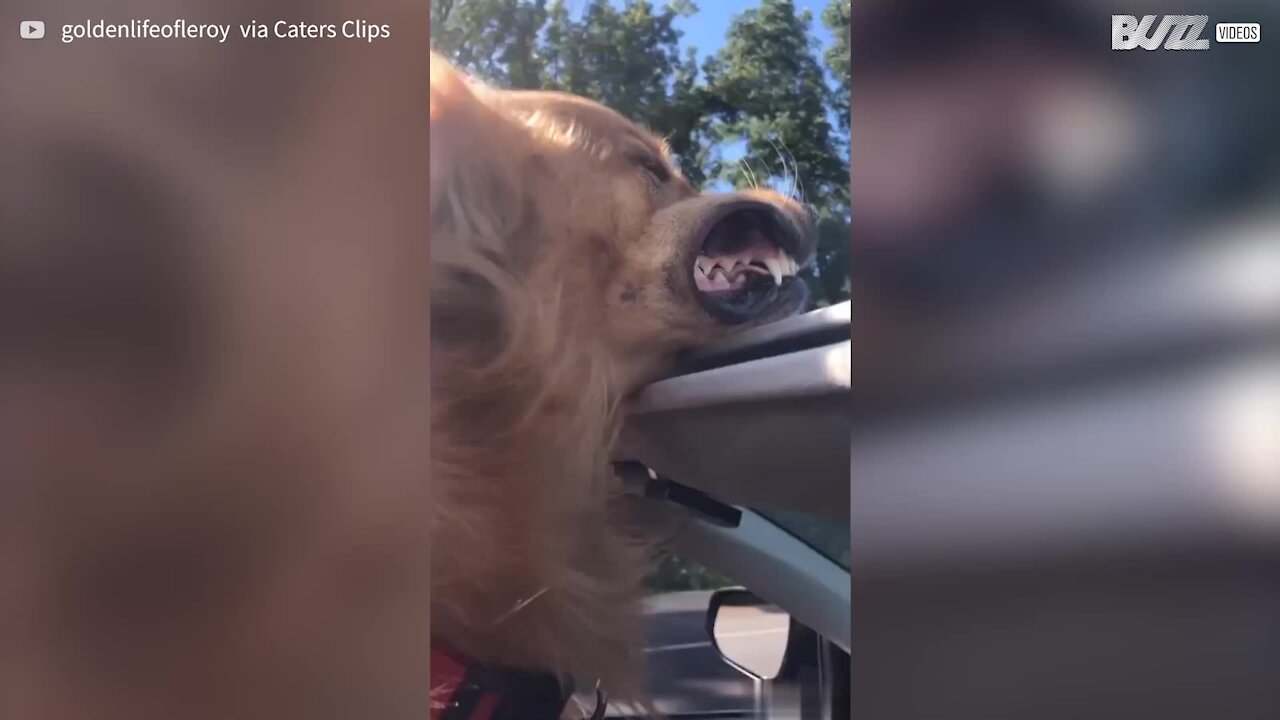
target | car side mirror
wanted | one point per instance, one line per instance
(750, 634)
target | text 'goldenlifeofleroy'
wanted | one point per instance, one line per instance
(144, 30)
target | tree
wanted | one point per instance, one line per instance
(672, 573)
(834, 238)
(770, 90)
(630, 59)
(493, 39)
(836, 18)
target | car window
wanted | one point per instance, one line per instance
(828, 537)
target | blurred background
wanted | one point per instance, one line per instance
(1066, 297)
(213, 366)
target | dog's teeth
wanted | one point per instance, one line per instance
(790, 264)
(774, 263)
(704, 264)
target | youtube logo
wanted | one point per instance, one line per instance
(32, 29)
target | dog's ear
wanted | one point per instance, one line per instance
(475, 205)
(467, 160)
(451, 103)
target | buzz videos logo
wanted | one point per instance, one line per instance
(1176, 32)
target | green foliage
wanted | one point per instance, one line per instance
(495, 39)
(764, 92)
(769, 89)
(672, 573)
(829, 281)
(836, 18)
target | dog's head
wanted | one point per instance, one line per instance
(574, 201)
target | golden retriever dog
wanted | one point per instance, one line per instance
(571, 264)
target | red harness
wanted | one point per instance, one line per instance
(460, 691)
(448, 675)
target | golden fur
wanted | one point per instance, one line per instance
(559, 271)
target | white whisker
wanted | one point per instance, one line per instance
(751, 175)
(787, 178)
(799, 181)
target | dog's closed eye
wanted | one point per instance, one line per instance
(653, 166)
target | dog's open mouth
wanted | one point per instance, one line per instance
(746, 266)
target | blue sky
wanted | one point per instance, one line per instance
(706, 29)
